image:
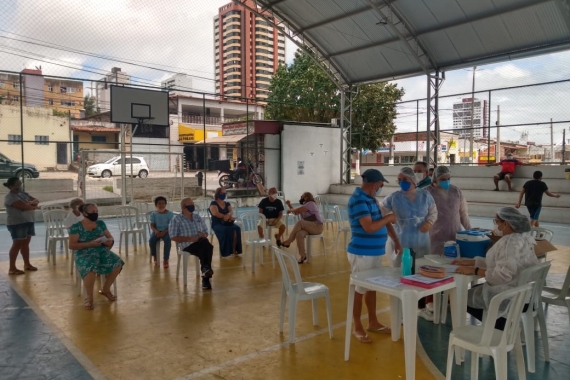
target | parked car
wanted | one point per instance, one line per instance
(9, 168)
(112, 167)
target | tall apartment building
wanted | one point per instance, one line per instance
(63, 95)
(247, 52)
(103, 93)
(462, 117)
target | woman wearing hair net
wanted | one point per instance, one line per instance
(415, 211)
(451, 210)
(504, 262)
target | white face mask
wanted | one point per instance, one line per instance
(419, 176)
(379, 191)
(497, 232)
(273, 196)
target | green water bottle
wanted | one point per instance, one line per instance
(406, 262)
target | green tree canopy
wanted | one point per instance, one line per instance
(89, 105)
(302, 91)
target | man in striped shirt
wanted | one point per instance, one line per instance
(367, 245)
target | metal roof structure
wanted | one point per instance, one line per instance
(361, 41)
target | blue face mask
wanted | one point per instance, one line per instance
(444, 184)
(405, 185)
(190, 208)
(222, 197)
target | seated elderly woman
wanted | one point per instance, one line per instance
(228, 233)
(74, 215)
(310, 224)
(504, 262)
(92, 242)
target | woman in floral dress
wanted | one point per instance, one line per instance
(92, 241)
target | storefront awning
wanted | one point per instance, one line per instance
(85, 128)
(223, 140)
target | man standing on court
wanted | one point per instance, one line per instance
(533, 191)
(507, 171)
(272, 208)
(367, 245)
(421, 174)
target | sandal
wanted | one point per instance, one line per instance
(31, 268)
(110, 296)
(16, 271)
(362, 338)
(88, 305)
(381, 330)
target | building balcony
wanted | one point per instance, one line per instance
(209, 120)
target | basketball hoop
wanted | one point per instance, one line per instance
(145, 125)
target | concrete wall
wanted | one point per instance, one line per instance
(317, 148)
(272, 156)
(148, 188)
(46, 190)
(85, 143)
(37, 121)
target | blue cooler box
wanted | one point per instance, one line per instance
(472, 243)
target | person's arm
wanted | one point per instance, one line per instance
(75, 245)
(520, 198)
(298, 210)
(463, 262)
(552, 194)
(431, 217)
(110, 240)
(215, 212)
(175, 234)
(394, 236)
(23, 206)
(230, 215)
(369, 225)
(494, 164)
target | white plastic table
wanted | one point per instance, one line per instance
(403, 304)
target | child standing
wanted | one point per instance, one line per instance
(159, 221)
(533, 191)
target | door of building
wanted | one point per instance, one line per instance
(62, 154)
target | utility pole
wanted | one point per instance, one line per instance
(472, 116)
(498, 154)
(563, 146)
(551, 142)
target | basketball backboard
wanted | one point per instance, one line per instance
(129, 105)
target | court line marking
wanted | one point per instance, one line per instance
(72, 348)
(430, 365)
(267, 350)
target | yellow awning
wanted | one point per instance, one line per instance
(187, 134)
(223, 140)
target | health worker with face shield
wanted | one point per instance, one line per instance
(451, 206)
(416, 213)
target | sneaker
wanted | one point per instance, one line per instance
(206, 283)
(429, 306)
(208, 273)
(426, 314)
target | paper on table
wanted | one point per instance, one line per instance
(451, 268)
(424, 279)
(385, 281)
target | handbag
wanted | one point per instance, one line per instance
(310, 218)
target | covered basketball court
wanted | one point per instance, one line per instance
(366, 41)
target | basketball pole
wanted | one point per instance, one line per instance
(123, 166)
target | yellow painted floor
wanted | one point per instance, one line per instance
(160, 330)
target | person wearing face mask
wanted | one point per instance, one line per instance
(74, 215)
(451, 206)
(310, 224)
(159, 220)
(272, 208)
(190, 232)
(416, 213)
(421, 174)
(502, 265)
(228, 233)
(20, 207)
(92, 243)
(370, 230)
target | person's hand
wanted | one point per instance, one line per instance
(34, 203)
(202, 234)
(226, 217)
(398, 247)
(95, 243)
(465, 270)
(288, 203)
(391, 218)
(557, 196)
(462, 262)
(517, 205)
(425, 227)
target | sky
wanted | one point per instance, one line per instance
(152, 39)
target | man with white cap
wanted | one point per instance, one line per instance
(367, 245)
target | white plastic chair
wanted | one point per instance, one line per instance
(299, 291)
(341, 227)
(184, 256)
(558, 297)
(81, 288)
(536, 274)
(129, 225)
(486, 340)
(248, 223)
(45, 209)
(57, 232)
(322, 205)
(143, 221)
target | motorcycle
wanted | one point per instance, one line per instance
(239, 178)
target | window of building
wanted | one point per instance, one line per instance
(50, 102)
(2, 84)
(16, 84)
(42, 140)
(67, 103)
(14, 139)
(99, 139)
(50, 88)
(15, 98)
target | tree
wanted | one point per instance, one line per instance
(304, 92)
(89, 105)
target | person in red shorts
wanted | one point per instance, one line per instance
(507, 171)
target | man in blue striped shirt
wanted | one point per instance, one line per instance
(367, 245)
